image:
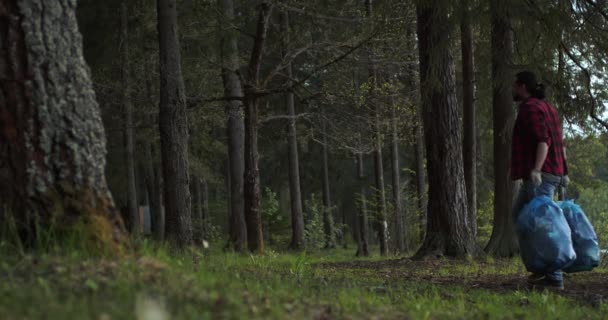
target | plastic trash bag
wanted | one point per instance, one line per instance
(544, 235)
(584, 238)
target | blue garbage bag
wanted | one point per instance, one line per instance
(584, 238)
(544, 235)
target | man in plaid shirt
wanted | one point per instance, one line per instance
(537, 154)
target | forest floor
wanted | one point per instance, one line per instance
(153, 284)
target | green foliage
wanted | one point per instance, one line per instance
(314, 235)
(485, 218)
(594, 202)
(276, 224)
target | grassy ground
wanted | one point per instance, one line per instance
(324, 285)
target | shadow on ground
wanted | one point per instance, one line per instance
(498, 276)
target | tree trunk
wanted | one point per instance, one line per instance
(253, 215)
(153, 191)
(297, 217)
(363, 245)
(380, 196)
(235, 128)
(173, 125)
(52, 140)
(198, 210)
(468, 89)
(400, 235)
(205, 209)
(328, 220)
(132, 206)
(420, 173)
(448, 230)
(158, 218)
(502, 242)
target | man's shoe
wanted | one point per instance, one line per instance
(541, 281)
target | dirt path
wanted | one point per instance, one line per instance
(500, 276)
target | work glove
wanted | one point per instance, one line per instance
(536, 177)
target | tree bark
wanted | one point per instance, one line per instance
(205, 209)
(153, 191)
(328, 220)
(173, 125)
(297, 217)
(400, 235)
(52, 140)
(380, 196)
(255, 236)
(236, 129)
(158, 218)
(470, 122)
(502, 242)
(132, 205)
(420, 173)
(363, 245)
(198, 210)
(448, 230)
(253, 216)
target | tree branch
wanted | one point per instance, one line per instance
(315, 71)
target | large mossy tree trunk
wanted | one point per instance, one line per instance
(448, 230)
(503, 242)
(52, 140)
(173, 125)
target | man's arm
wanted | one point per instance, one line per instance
(541, 155)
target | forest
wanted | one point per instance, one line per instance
(303, 159)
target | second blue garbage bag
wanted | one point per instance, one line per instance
(544, 236)
(584, 238)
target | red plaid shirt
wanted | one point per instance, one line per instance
(537, 121)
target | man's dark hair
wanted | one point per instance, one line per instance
(528, 78)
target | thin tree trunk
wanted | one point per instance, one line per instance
(502, 242)
(173, 125)
(253, 216)
(469, 143)
(400, 235)
(153, 191)
(363, 246)
(255, 236)
(448, 230)
(328, 220)
(235, 128)
(421, 174)
(52, 141)
(297, 217)
(198, 210)
(380, 196)
(158, 225)
(132, 206)
(205, 209)
(381, 223)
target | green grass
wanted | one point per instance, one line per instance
(215, 285)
